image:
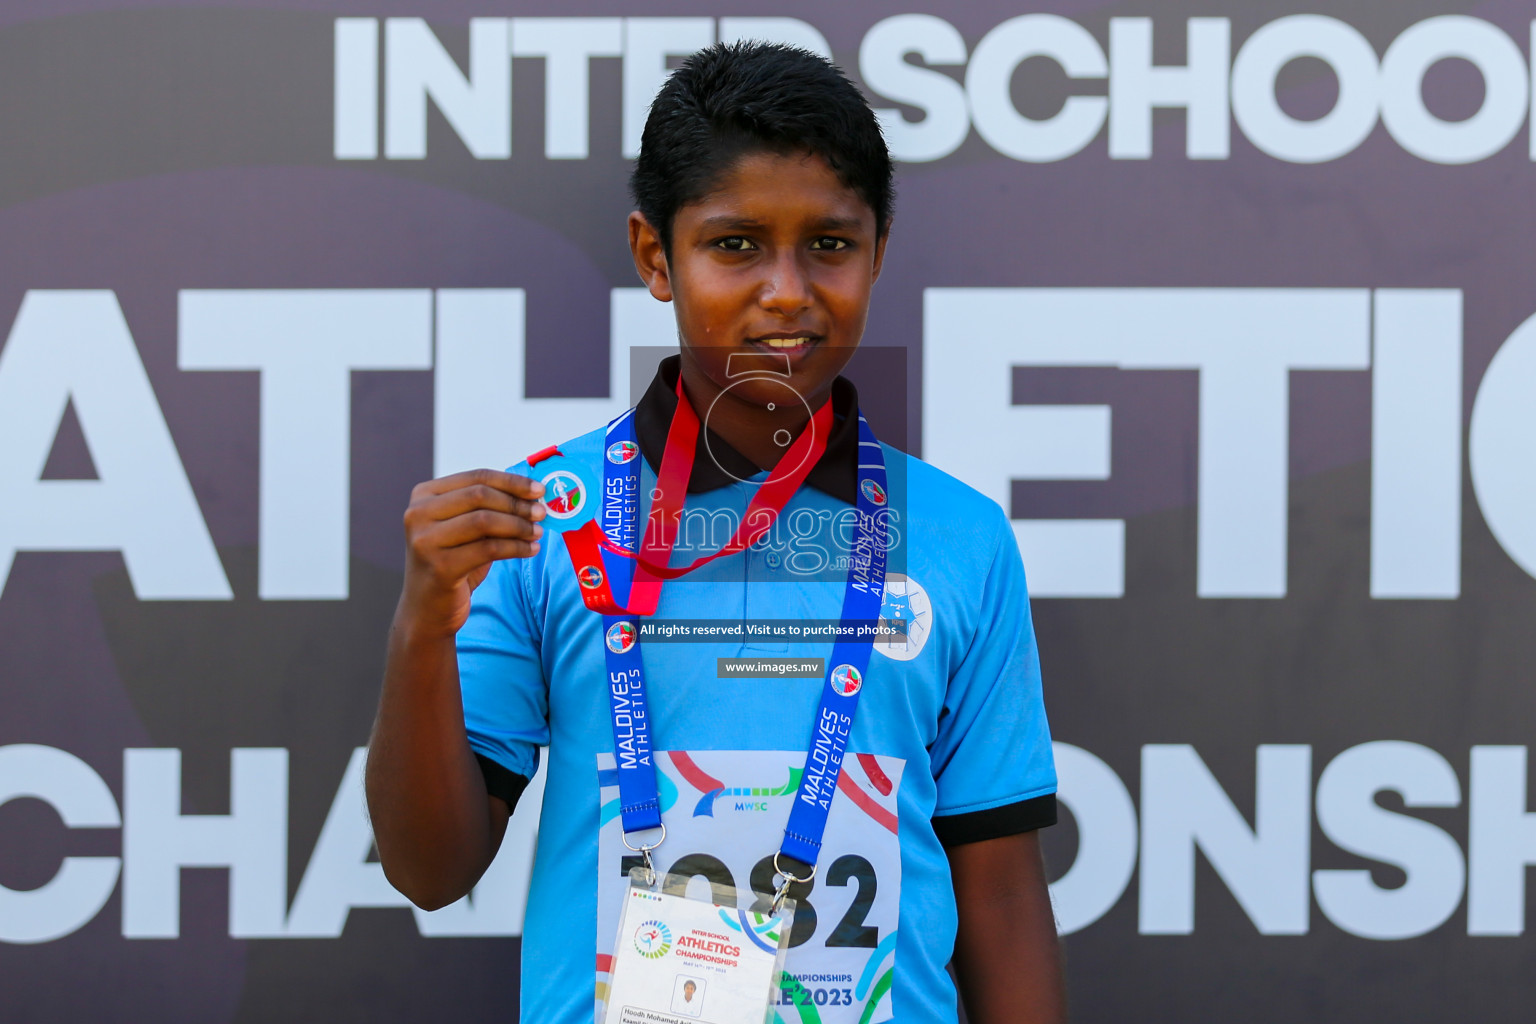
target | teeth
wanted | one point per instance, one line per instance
(784, 342)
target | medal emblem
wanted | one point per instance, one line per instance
(621, 637)
(846, 680)
(564, 494)
(621, 452)
(590, 577)
(653, 939)
(873, 491)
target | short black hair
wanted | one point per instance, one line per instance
(731, 99)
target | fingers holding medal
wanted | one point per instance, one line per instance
(455, 528)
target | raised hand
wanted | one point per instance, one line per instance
(455, 527)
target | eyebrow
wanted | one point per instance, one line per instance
(838, 224)
(729, 222)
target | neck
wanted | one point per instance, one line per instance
(745, 426)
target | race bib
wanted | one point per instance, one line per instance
(725, 812)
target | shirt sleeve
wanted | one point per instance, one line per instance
(992, 754)
(501, 677)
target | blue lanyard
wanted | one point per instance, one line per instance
(639, 799)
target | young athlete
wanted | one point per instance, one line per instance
(764, 207)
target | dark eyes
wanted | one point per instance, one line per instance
(740, 243)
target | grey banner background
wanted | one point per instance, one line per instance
(152, 149)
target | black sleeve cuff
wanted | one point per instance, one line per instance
(501, 781)
(996, 822)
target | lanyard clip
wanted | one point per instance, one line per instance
(644, 850)
(789, 879)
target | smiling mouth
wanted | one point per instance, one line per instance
(786, 344)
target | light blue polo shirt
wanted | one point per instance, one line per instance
(950, 741)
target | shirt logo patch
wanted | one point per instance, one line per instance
(621, 637)
(564, 494)
(873, 491)
(846, 680)
(590, 577)
(621, 452)
(905, 603)
(653, 939)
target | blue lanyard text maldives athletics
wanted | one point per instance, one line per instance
(639, 799)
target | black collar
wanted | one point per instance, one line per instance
(836, 474)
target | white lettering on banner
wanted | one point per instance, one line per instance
(1266, 124)
(356, 128)
(82, 885)
(1105, 817)
(885, 70)
(1265, 867)
(1182, 808)
(989, 78)
(1416, 444)
(1352, 820)
(305, 343)
(477, 367)
(483, 416)
(340, 876)
(648, 42)
(1244, 343)
(1501, 842)
(158, 841)
(1501, 449)
(1135, 87)
(478, 104)
(74, 347)
(251, 840)
(1505, 89)
(567, 46)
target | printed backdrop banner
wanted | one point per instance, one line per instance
(1230, 307)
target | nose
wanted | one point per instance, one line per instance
(787, 288)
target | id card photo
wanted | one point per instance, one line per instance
(688, 995)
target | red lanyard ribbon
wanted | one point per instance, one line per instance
(652, 566)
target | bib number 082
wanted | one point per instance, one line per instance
(849, 868)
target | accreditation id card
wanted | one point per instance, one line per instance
(679, 960)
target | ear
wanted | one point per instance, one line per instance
(885, 236)
(650, 257)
